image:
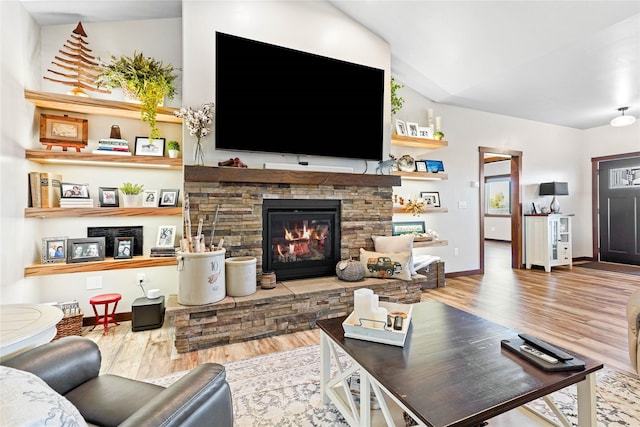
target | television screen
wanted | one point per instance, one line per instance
(434, 166)
(275, 99)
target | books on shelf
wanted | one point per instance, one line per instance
(113, 146)
(72, 202)
(50, 190)
(159, 251)
(35, 195)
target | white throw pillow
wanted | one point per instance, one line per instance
(403, 242)
(26, 400)
(391, 265)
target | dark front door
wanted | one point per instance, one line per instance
(619, 209)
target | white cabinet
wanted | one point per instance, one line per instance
(547, 240)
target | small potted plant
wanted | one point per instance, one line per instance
(142, 78)
(173, 147)
(130, 194)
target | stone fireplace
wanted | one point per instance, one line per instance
(239, 195)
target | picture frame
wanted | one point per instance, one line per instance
(431, 198)
(64, 131)
(108, 197)
(69, 190)
(168, 198)
(123, 247)
(434, 166)
(401, 128)
(85, 249)
(110, 234)
(150, 199)
(407, 227)
(425, 132)
(412, 129)
(166, 236)
(54, 249)
(421, 166)
(147, 147)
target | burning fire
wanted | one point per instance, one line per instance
(302, 243)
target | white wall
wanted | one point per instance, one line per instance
(550, 152)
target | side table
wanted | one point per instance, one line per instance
(147, 313)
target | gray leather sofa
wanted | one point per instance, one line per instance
(633, 317)
(71, 367)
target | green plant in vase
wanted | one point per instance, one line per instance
(173, 147)
(130, 193)
(142, 78)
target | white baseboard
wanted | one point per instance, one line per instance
(308, 168)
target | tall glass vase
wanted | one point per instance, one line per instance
(198, 155)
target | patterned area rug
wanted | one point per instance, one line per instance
(283, 389)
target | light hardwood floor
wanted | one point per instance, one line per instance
(580, 309)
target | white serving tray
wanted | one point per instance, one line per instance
(388, 335)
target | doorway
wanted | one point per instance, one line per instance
(616, 208)
(487, 154)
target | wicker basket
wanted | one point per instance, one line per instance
(69, 325)
(350, 270)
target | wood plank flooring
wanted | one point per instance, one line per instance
(580, 309)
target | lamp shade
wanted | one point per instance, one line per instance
(554, 189)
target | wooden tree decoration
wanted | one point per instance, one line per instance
(79, 68)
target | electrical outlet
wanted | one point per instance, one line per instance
(94, 282)
(142, 278)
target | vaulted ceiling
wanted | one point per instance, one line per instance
(570, 63)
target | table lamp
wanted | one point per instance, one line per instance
(554, 189)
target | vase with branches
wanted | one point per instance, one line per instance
(198, 122)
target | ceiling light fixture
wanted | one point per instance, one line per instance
(623, 120)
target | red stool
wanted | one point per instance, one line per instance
(105, 299)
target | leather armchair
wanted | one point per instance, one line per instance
(71, 367)
(633, 316)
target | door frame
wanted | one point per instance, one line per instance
(516, 203)
(595, 199)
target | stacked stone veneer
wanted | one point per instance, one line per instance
(291, 306)
(365, 209)
(237, 195)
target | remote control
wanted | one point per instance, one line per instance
(554, 351)
(397, 323)
(530, 350)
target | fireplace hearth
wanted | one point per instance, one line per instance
(301, 237)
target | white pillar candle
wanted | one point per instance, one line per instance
(363, 304)
(380, 317)
(430, 117)
(438, 122)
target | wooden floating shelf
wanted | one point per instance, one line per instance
(105, 107)
(413, 142)
(421, 176)
(107, 264)
(109, 160)
(99, 212)
(430, 243)
(400, 210)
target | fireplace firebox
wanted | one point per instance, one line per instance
(300, 237)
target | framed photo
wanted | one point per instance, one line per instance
(434, 166)
(412, 129)
(401, 127)
(74, 191)
(166, 236)
(150, 199)
(425, 132)
(149, 147)
(54, 249)
(108, 197)
(63, 130)
(123, 247)
(421, 166)
(431, 198)
(111, 233)
(407, 227)
(168, 198)
(84, 250)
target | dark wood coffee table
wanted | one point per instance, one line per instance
(451, 371)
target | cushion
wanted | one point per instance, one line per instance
(26, 400)
(403, 242)
(389, 265)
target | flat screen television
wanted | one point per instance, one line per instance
(279, 100)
